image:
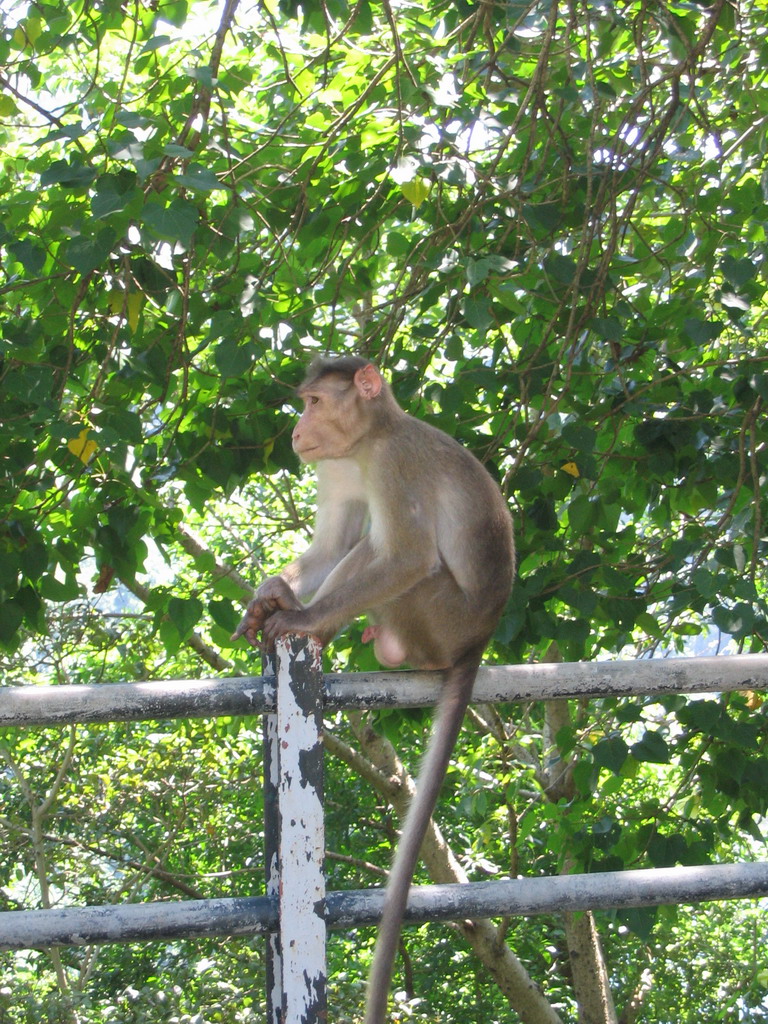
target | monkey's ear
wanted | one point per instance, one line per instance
(368, 381)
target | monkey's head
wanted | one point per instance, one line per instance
(342, 399)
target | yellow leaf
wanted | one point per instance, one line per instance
(754, 700)
(116, 300)
(415, 191)
(81, 447)
(27, 33)
(133, 305)
(33, 28)
(572, 469)
(130, 305)
(7, 107)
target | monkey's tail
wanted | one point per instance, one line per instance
(454, 698)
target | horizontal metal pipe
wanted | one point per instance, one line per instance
(131, 702)
(251, 695)
(135, 922)
(522, 897)
(147, 922)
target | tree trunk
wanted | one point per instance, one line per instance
(590, 977)
(585, 953)
(486, 940)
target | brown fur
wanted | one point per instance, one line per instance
(411, 530)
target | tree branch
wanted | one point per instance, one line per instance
(483, 937)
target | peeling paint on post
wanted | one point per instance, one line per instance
(296, 836)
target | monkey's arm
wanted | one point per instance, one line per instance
(370, 576)
(342, 510)
(337, 530)
(341, 517)
(333, 538)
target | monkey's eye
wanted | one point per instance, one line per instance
(313, 399)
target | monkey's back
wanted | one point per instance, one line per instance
(471, 529)
(474, 526)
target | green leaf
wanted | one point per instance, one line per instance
(125, 425)
(184, 613)
(234, 358)
(107, 202)
(701, 715)
(583, 513)
(156, 42)
(639, 920)
(150, 276)
(55, 589)
(610, 328)
(33, 559)
(477, 271)
(114, 193)
(544, 217)
(398, 244)
(562, 268)
(703, 331)
(738, 271)
(11, 617)
(175, 222)
(86, 254)
(71, 175)
(572, 635)
(585, 777)
(610, 753)
(415, 191)
(737, 621)
(200, 178)
(652, 747)
(477, 311)
(543, 514)
(31, 256)
(224, 614)
(580, 436)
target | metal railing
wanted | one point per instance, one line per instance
(296, 910)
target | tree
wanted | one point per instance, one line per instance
(547, 221)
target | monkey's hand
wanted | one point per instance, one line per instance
(286, 621)
(274, 595)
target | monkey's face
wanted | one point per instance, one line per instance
(332, 422)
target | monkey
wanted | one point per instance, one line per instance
(413, 531)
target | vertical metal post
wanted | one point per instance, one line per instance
(295, 835)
